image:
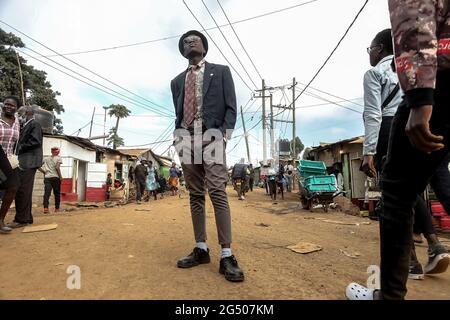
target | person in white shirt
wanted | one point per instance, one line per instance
(288, 174)
(52, 178)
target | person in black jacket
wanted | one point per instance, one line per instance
(29, 150)
(205, 101)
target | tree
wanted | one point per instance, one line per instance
(119, 111)
(37, 89)
(114, 140)
(299, 146)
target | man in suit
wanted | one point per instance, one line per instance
(29, 150)
(205, 104)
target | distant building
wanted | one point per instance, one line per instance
(84, 169)
(347, 155)
(161, 163)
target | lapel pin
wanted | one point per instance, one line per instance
(211, 74)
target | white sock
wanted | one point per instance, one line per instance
(226, 252)
(202, 245)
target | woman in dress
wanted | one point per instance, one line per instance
(151, 183)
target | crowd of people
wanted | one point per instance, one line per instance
(243, 178)
(149, 181)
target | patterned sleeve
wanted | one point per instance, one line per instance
(415, 43)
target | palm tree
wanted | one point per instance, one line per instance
(114, 140)
(119, 111)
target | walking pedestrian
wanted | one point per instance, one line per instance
(420, 134)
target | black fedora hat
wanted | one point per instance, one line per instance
(196, 33)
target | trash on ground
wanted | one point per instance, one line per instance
(87, 205)
(262, 224)
(44, 227)
(364, 213)
(350, 255)
(305, 247)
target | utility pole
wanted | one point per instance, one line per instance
(264, 122)
(293, 117)
(92, 121)
(246, 136)
(272, 130)
(21, 79)
(104, 125)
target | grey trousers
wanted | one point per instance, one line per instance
(214, 176)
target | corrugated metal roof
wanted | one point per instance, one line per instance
(85, 143)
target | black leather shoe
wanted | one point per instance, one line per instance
(230, 268)
(196, 257)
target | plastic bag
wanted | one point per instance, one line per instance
(13, 161)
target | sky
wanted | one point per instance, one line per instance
(283, 45)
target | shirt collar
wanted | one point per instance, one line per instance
(15, 121)
(389, 57)
(199, 65)
(28, 122)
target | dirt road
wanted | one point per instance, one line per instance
(128, 254)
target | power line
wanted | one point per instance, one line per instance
(243, 136)
(236, 145)
(231, 47)
(239, 114)
(251, 119)
(127, 130)
(145, 116)
(332, 102)
(87, 83)
(79, 74)
(167, 135)
(90, 71)
(79, 130)
(331, 95)
(247, 106)
(322, 104)
(179, 35)
(162, 153)
(217, 46)
(332, 52)
(242, 45)
(148, 144)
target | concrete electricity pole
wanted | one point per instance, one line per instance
(272, 130)
(293, 117)
(245, 136)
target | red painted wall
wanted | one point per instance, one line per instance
(66, 191)
(96, 194)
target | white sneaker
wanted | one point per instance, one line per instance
(355, 291)
(242, 198)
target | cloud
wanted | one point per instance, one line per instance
(292, 43)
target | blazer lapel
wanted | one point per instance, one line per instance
(182, 81)
(207, 77)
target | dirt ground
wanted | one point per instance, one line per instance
(128, 254)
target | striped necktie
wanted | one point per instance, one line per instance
(190, 99)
